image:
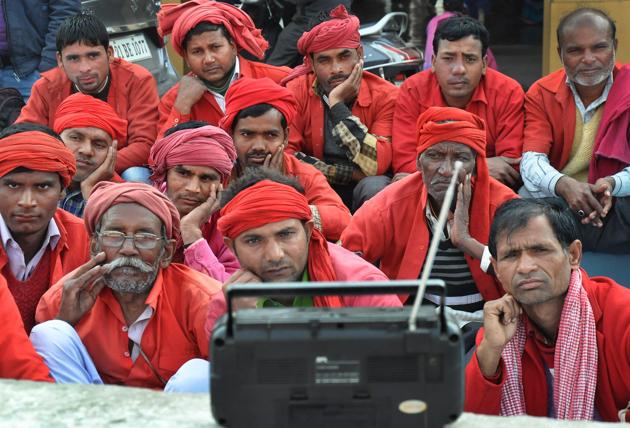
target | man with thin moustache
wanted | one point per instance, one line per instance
(128, 316)
(576, 119)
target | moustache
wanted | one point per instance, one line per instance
(339, 77)
(133, 262)
(84, 160)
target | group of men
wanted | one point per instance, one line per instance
(321, 173)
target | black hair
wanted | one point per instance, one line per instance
(17, 128)
(580, 16)
(454, 6)
(257, 111)
(192, 124)
(253, 175)
(459, 27)
(515, 214)
(204, 27)
(82, 28)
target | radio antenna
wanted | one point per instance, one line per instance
(437, 232)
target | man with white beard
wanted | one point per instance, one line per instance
(128, 316)
(576, 121)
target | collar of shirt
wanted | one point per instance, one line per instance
(18, 265)
(432, 221)
(220, 98)
(136, 330)
(587, 113)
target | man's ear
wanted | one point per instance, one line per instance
(59, 62)
(418, 165)
(230, 244)
(110, 53)
(286, 137)
(308, 228)
(360, 53)
(433, 62)
(575, 253)
(169, 251)
(94, 247)
(484, 67)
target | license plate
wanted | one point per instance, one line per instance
(131, 48)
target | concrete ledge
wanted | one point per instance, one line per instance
(31, 404)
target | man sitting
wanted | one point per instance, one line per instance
(395, 227)
(459, 77)
(259, 115)
(18, 359)
(209, 36)
(87, 65)
(577, 120)
(128, 316)
(40, 242)
(91, 129)
(344, 121)
(558, 343)
(267, 223)
(190, 164)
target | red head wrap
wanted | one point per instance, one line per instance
(107, 194)
(441, 124)
(341, 31)
(84, 111)
(179, 19)
(205, 146)
(269, 202)
(247, 92)
(37, 151)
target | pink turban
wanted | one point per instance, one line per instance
(205, 146)
(341, 31)
(107, 194)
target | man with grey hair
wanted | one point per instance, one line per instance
(576, 121)
(128, 316)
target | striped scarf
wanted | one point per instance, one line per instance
(575, 360)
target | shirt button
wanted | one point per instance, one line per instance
(126, 354)
(124, 328)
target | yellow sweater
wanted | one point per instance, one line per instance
(583, 143)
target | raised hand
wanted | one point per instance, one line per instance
(81, 289)
(275, 160)
(190, 90)
(502, 168)
(104, 172)
(242, 276)
(348, 90)
(191, 223)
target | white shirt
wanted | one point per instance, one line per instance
(136, 330)
(17, 264)
(220, 98)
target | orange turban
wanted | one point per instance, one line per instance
(179, 19)
(204, 146)
(37, 151)
(247, 92)
(341, 31)
(269, 202)
(107, 194)
(84, 111)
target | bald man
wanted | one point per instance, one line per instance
(574, 118)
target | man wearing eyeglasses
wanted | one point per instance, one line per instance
(128, 316)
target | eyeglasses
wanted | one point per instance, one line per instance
(142, 241)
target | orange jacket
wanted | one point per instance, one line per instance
(610, 302)
(132, 93)
(334, 215)
(550, 118)
(391, 228)
(207, 109)
(175, 333)
(18, 359)
(374, 107)
(72, 250)
(498, 100)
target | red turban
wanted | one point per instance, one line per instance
(107, 194)
(84, 111)
(269, 202)
(341, 31)
(205, 146)
(441, 124)
(247, 92)
(37, 151)
(179, 19)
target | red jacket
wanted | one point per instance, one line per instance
(611, 308)
(18, 359)
(391, 228)
(207, 109)
(374, 107)
(72, 250)
(132, 93)
(335, 216)
(498, 100)
(550, 118)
